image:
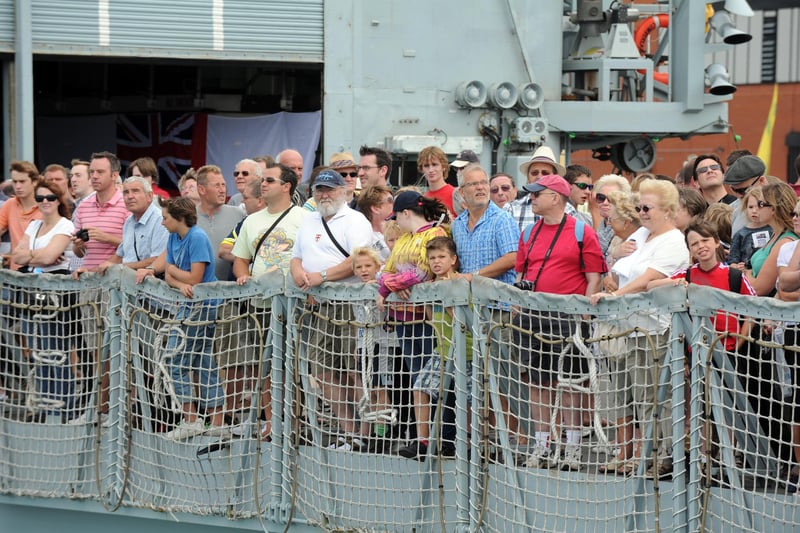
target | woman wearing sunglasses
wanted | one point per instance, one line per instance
(774, 210)
(661, 251)
(45, 324)
(605, 186)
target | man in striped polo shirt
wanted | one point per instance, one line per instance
(102, 216)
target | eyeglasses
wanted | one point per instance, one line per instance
(270, 179)
(483, 183)
(537, 193)
(366, 168)
(703, 170)
(352, 174)
(41, 198)
(244, 173)
(584, 186)
(537, 172)
(600, 198)
(644, 208)
(741, 191)
(504, 188)
(762, 203)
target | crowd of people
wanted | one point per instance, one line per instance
(726, 225)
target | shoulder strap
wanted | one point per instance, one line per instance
(735, 280)
(266, 234)
(333, 239)
(579, 229)
(526, 234)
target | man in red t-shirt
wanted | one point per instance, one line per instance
(554, 257)
(433, 164)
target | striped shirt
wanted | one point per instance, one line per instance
(109, 218)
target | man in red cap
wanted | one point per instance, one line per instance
(559, 257)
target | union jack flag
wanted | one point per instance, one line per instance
(165, 136)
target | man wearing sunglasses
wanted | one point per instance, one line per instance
(246, 170)
(708, 172)
(502, 189)
(542, 163)
(745, 173)
(580, 179)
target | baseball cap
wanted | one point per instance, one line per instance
(405, 200)
(553, 182)
(329, 178)
(464, 158)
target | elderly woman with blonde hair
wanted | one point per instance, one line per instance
(661, 251)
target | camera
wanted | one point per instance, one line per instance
(524, 285)
(83, 235)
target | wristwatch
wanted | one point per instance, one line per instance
(324, 275)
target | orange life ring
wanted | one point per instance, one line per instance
(643, 32)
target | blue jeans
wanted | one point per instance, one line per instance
(416, 342)
(195, 355)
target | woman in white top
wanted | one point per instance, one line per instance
(661, 250)
(45, 241)
(49, 317)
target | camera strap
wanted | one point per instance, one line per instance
(547, 253)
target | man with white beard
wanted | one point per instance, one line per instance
(322, 253)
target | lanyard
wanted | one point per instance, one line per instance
(546, 255)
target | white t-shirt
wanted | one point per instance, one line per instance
(40, 241)
(666, 254)
(316, 250)
(276, 250)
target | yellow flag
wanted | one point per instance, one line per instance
(765, 146)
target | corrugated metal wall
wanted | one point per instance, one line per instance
(268, 30)
(744, 61)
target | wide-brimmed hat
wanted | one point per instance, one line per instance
(543, 154)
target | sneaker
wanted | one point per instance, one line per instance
(572, 458)
(186, 430)
(348, 443)
(216, 431)
(414, 450)
(662, 469)
(540, 458)
(84, 420)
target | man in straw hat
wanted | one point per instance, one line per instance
(542, 163)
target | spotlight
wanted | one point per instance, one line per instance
(730, 34)
(503, 95)
(471, 94)
(739, 7)
(531, 96)
(718, 80)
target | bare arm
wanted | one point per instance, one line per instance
(46, 256)
(764, 283)
(225, 252)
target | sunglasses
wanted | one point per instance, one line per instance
(537, 193)
(49, 197)
(352, 174)
(795, 214)
(703, 170)
(741, 191)
(644, 208)
(504, 188)
(600, 198)
(271, 180)
(584, 186)
(237, 173)
(762, 203)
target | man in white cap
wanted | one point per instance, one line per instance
(464, 158)
(542, 163)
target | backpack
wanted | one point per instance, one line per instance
(579, 229)
(734, 279)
